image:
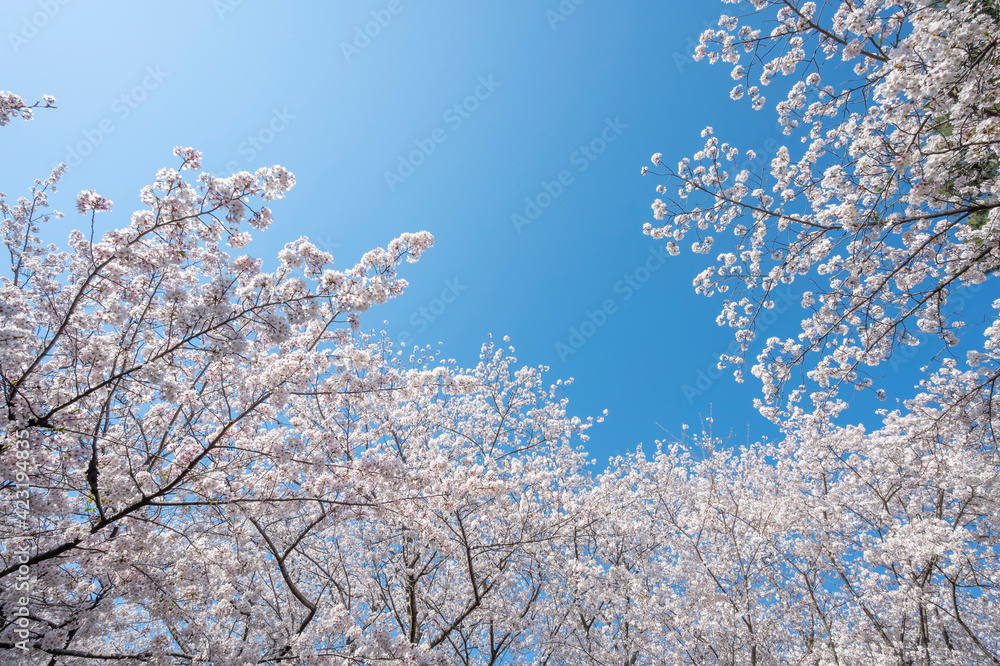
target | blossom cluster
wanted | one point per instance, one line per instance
(92, 201)
(13, 106)
(891, 205)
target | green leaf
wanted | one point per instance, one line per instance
(978, 219)
(943, 126)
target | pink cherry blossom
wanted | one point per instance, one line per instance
(91, 200)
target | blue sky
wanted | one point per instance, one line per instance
(457, 118)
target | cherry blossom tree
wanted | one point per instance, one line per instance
(890, 206)
(837, 544)
(205, 462)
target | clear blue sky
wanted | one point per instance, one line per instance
(559, 108)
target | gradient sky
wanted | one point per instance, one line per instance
(557, 103)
